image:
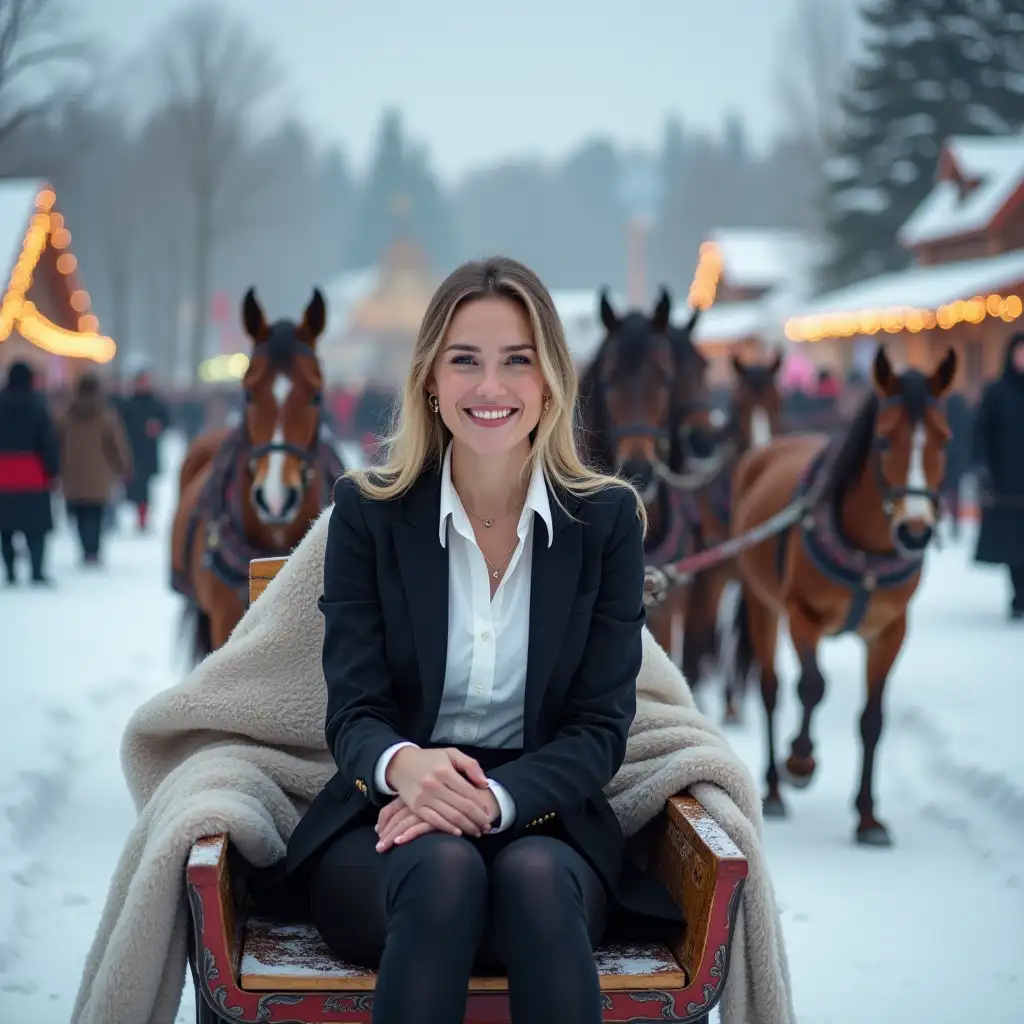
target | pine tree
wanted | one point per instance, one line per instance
(921, 79)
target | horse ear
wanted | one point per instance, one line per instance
(608, 316)
(662, 311)
(737, 365)
(776, 363)
(694, 317)
(314, 318)
(253, 321)
(941, 379)
(884, 376)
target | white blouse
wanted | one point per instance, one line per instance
(488, 638)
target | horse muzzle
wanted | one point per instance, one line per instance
(640, 473)
(276, 506)
(912, 536)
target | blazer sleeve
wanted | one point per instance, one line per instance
(362, 717)
(601, 701)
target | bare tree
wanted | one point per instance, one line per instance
(216, 80)
(816, 59)
(37, 41)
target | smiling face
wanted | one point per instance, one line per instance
(487, 377)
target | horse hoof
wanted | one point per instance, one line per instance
(731, 717)
(875, 834)
(773, 807)
(799, 771)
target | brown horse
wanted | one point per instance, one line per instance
(852, 563)
(254, 490)
(632, 413)
(753, 422)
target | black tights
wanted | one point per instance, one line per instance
(430, 912)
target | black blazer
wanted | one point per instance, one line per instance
(385, 608)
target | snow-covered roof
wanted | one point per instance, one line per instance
(17, 204)
(763, 257)
(995, 163)
(925, 287)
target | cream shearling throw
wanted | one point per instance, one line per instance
(239, 747)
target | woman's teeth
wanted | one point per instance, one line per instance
(490, 414)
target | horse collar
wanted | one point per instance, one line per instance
(681, 510)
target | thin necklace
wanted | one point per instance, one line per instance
(493, 519)
(496, 569)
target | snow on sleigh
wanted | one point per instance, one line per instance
(248, 967)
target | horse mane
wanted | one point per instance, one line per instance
(593, 426)
(855, 446)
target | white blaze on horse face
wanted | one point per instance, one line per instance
(917, 506)
(760, 428)
(275, 490)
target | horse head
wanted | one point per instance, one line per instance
(910, 436)
(283, 389)
(630, 385)
(757, 403)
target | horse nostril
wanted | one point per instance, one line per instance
(913, 536)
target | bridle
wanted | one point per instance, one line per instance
(307, 456)
(893, 494)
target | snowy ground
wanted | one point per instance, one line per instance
(931, 930)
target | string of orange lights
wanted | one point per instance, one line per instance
(895, 319)
(16, 311)
(706, 276)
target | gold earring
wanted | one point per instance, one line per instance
(435, 405)
(547, 402)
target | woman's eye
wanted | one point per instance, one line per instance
(457, 360)
(525, 360)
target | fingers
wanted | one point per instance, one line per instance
(388, 813)
(421, 828)
(399, 823)
(467, 765)
(467, 813)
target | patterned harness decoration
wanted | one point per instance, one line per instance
(228, 552)
(683, 518)
(862, 572)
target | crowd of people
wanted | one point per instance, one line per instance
(91, 449)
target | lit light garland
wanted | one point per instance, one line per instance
(895, 319)
(706, 277)
(224, 367)
(17, 311)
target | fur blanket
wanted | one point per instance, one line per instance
(239, 747)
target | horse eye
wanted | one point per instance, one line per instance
(316, 399)
(247, 395)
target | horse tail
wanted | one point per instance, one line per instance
(735, 644)
(196, 633)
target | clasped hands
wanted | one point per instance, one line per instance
(439, 790)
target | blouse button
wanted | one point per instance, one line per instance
(485, 635)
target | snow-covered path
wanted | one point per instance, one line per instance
(931, 930)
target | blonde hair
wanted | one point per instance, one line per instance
(418, 437)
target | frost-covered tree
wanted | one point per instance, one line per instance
(929, 69)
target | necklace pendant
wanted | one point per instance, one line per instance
(487, 522)
(495, 574)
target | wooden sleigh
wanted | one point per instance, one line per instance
(249, 968)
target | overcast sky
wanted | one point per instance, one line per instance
(479, 81)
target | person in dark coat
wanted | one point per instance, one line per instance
(145, 418)
(999, 454)
(958, 456)
(29, 464)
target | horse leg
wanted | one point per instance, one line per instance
(224, 616)
(698, 631)
(800, 764)
(763, 627)
(882, 653)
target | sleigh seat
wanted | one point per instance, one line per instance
(249, 967)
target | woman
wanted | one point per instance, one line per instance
(94, 453)
(483, 607)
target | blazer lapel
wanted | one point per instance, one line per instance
(555, 575)
(423, 566)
